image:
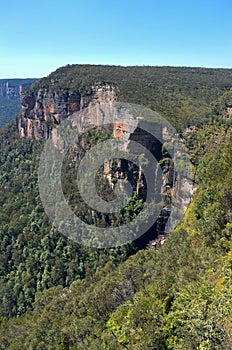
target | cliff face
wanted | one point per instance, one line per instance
(45, 109)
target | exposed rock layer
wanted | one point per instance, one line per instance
(44, 111)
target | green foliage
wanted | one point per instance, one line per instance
(34, 255)
(8, 109)
(180, 94)
(56, 294)
(176, 297)
(224, 102)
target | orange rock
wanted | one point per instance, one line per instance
(120, 129)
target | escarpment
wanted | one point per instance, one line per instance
(44, 110)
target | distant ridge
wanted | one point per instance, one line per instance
(10, 90)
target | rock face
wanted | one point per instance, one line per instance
(44, 110)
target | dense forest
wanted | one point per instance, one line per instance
(57, 294)
(182, 95)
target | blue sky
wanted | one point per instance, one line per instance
(36, 37)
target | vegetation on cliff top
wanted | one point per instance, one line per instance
(182, 95)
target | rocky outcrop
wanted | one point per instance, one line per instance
(42, 111)
(228, 113)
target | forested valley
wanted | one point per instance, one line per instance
(58, 294)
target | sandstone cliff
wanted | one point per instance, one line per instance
(44, 110)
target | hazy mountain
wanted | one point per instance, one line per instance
(10, 90)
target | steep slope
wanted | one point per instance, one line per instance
(176, 297)
(35, 257)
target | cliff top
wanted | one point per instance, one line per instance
(181, 94)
